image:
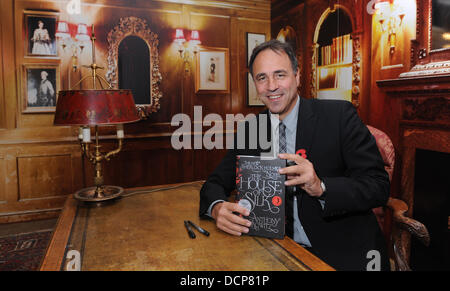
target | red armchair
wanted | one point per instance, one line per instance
(401, 223)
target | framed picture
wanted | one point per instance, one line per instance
(252, 95)
(41, 82)
(40, 29)
(253, 40)
(212, 74)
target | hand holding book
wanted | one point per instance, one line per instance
(302, 173)
(226, 219)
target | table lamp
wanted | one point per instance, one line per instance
(93, 107)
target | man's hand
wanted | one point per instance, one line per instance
(229, 222)
(301, 174)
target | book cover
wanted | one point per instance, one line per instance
(260, 188)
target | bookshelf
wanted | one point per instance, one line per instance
(334, 67)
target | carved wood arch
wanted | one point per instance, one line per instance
(356, 37)
(134, 26)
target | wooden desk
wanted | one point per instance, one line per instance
(145, 231)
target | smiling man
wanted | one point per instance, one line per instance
(333, 185)
(276, 81)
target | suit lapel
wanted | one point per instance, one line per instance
(306, 129)
(306, 124)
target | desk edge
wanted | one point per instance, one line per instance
(307, 258)
(55, 252)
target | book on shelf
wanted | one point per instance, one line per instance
(261, 189)
(339, 51)
(343, 78)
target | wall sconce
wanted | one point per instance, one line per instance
(76, 44)
(391, 16)
(187, 48)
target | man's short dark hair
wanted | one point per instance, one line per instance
(276, 46)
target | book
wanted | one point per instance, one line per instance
(261, 189)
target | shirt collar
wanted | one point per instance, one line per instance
(290, 121)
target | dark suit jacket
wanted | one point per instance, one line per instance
(345, 156)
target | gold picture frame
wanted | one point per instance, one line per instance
(212, 74)
(138, 28)
(40, 86)
(40, 34)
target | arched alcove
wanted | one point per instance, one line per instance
(335, 63)
(134, 68)
(135, 32)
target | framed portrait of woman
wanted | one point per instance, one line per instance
(40, 29)
(41, 83)
(212, 70)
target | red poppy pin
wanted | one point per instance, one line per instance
(302, 153)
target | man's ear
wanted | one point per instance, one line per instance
(297, 77)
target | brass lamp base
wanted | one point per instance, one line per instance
(102, 193)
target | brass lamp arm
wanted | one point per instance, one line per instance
(116, 151)
(99, 157)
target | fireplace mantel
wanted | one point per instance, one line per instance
(431, 78)
(438, 84)
(423, 122)
(425, 97)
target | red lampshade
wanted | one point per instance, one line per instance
(95, 107)
(195, 38)
(82, 33)
(63, 30)
(179, 36)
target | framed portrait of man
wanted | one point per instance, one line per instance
(212, 70)
(41, 84)
(40, 30)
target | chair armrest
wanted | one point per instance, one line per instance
(413, 226)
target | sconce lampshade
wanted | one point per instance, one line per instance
(95, 107)
(195, 38)
(179, 36)
(82, 32)
(62, 30)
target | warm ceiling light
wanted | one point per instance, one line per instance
(446, 35)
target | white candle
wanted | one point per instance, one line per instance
(86, 134)
(80, 133)
(120, 132)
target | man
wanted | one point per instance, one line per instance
(338, 171)
(46, 93)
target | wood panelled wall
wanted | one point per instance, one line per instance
(40, 164)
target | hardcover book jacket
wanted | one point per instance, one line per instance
(260, 188)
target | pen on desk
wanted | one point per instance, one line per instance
(190, 232)
(201, 230)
